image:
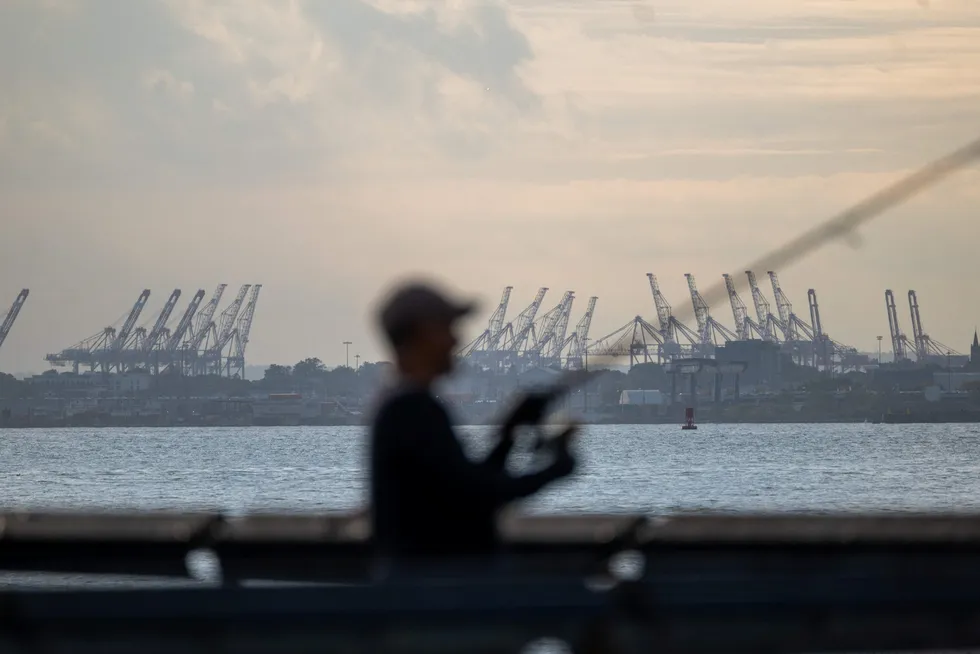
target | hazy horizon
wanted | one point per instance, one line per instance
(324, 149)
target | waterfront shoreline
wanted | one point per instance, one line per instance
(659, 421)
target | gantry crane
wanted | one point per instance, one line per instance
(155, 337)
(236, 362)
(546, 332)
(789, 322)
(637, 339)
(517, 332)
(176, 337)
(823, 347)
(664, 311)
(925, 345)
(770, 324)
(492, 336)
(739, 311)
(12, 314)
(205, 323)
(578, 341)
(899, 340)
(708, 328)
(670, 326)
(226, 331)
(172, 354)
(195, 346)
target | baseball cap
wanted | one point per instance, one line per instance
(412, 304)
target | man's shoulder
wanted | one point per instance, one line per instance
(399, 402)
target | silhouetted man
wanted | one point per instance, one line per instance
(429, 501)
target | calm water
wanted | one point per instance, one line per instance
(624, 468)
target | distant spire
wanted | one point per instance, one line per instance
(976, 341)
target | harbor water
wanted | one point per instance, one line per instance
(658, 468)
(643, 468)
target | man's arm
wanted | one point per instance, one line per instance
(435, 447)
(497, 459)
(528, 411)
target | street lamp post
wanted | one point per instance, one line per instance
(347, 345)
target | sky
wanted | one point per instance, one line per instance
(325, 148)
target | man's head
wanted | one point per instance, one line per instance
(418, 322)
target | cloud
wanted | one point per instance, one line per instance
(164, 81)
(322, 147)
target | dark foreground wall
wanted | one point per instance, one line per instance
(600, 583)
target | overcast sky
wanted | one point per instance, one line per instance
(323, 148)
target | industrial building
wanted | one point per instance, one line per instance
(202, 342)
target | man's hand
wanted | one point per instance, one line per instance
(529, 411)
(564, 464)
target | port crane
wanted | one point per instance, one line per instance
(12, 314)
(771, 325)
(205, 327)
(236, 361)
(638, 339)
(551, 328)
(899, 340)
(518, 332)
(745, 325)
(175, 338)
(670, 326)
(225, 332)
(925, 345)
(709, 329)
(154, 338)
(491, 337)
(169, 350)
(578, 341)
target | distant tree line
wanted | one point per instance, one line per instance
(313, 374)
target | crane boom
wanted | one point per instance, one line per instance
(918, 334)
(244, 327)
(783, 306)
(123, 334)
(177, 337)
(664, 311)
(585, 324)
(701, 312)
(739, 311)
(525, 322)
(12, 314)
(161, 324)
(811, 295)
(557, 340)
(578, 341)
(925, 345)
(206, 317)
(226, 326)
(763, 312)
(549, 322)
(498, 317)
(491, 337)
(788, 321)
(894, 329)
